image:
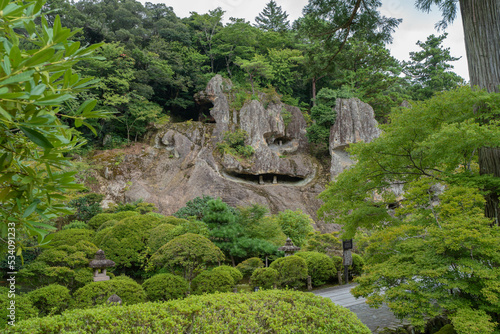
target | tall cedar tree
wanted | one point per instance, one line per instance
(273, 18)
(429, 68)
(482, 44)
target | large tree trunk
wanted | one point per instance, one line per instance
(489, 163)
(481, 21)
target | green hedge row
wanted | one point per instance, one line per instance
(272, 311)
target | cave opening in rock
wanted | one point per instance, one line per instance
(196, 112)
(204, 112)
(280, 141)
(269, 178)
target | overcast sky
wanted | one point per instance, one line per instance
(416, 25)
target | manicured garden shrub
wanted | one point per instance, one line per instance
(125, 242)
(357, 265)
(264, 278)
(174, 220)
(212, 281)
(64, 265)
(101, 218)
(159, 236)
(97, 293)
(190, 252)
(248, 266)
(51, 299)
(106, 224)
(24, 308)
(162, 234)
(292, 271)
(101, 235)
(337, 261)
(71, 237)
(319, 266)
(163, 287)
(235, 273)
(447, 329)
(76, 224)
(271, 311)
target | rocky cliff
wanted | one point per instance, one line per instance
(181, 161)
(355, 122)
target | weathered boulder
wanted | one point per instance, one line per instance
(180, 161)
(355, 122)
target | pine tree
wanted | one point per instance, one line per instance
(273, 18)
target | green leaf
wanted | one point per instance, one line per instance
(37, 137)
(38, 90)
(5, 114)
(53, 99)
(21, 77)
(30, 209)
(39, 57)
(15, 56)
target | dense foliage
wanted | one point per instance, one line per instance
(433, 243)
(36, 78)
(292, 271)
(320, 267)
(269, 311)
(163, 287)
(97, 293)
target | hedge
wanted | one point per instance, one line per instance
(320, 267)
(292, 271)
(51, 299)
(235, 273)
(271, 311)
(97, 293)
(163, 287)
(212, 281)
(101, 218)
(248, 266)
(264, 278)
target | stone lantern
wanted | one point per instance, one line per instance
(289, 248)
(99, 264)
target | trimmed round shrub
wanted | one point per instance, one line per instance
(71, 237)
(270, 311)
(248, 266)
(357, 265)
(212, 281)
(447, 329)
(264, 278)
(163, 287)
(101, 218)
(235, 273)
(162, 234)
(159, 236)
(51, 299)
(23, 310)
(337, 261)
(97, 293)
(106, 224)
(76, 224)
(190, 252)
(125, 242)
(292, 271)
(101, 235)
(174, 220)
(319, 266)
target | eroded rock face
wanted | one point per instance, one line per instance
(355, 122)
(181, 161)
